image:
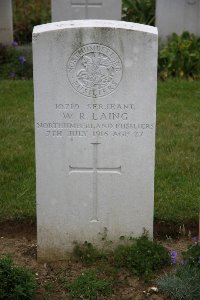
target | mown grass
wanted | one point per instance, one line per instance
(17, 171)
(177, 181)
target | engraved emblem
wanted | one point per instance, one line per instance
(94, 70)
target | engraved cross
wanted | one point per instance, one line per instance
(86, 4)
(95, 170)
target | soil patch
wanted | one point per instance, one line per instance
(162, 229)
(18, 229)
(19, 240)
(52, 277)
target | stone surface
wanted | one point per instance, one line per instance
(95, 110)
(63, 10)
(177, 16)
(6, 22)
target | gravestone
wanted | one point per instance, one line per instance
(6, 23)
(63, 10)
(95, 110)
(177, 16)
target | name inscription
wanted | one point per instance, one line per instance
(94, 120)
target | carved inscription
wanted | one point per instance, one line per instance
(94, 70)
(94, 120)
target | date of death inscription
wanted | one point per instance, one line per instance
(94, 120)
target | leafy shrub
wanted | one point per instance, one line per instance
(27, 14)
(88, 286)
(3, 54)
(142, 257)
(87, 253)
(15, 63)
(180, 57)
(181, 284)
(16, 283)
(192, 256)
(139, 11)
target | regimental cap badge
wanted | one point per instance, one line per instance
(94, 70)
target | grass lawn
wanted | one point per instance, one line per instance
(17, 170)
(177, 182)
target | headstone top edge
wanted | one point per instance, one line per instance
(94, 24)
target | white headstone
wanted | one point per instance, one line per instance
(95, 110)
(6, 22)
(63, 10)
(177, 16)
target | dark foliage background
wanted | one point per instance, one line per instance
(28, 13)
